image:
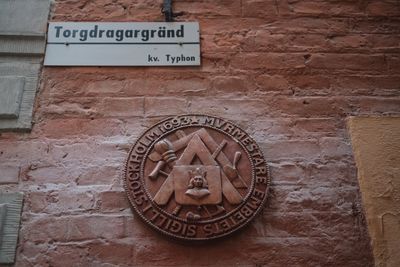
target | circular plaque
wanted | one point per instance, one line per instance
(196, 177)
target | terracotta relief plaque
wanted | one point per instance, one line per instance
(196, 177)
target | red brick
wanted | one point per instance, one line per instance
(294, 149)
(231, 84)
(307, 25)
(136, 228)
(283, 128)
(310, 106)
(112, 201)
(216, 63)
(112, 10)
(302, 198)
(121, 107)
(375, 105)
(49, 174)
(258, 8)
(286, 172)
(393, 63)
(73, 228)
(117, 253)
(310, 82)
(31, 250)
(170, 106)
(37, 202)
(68, 255)
(72, 107)
(317, 126)
(272, 83)
(310, 252)
(378, 82)
(226, 42)
(209, 8)
(225, 26)
(268, 61)
(383, 42)
(384, 25)
(389, 8)
(347, 61)
(305, 224)
(91, 152)
(335, 148)
(99, 175)
(317, 8)
(347, 41)
(229, 107)
(63, 128)
(36, 149)
(331, 173)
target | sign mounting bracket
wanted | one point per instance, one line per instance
(167, 11)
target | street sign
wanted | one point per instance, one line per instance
(123, 44)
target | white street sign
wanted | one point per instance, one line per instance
(123, 44)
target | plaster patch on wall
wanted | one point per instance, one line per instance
(376, 145)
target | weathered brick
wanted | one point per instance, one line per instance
(332, 173)
(385, 25)
(287, 173)
(305, 224)
(268, 61)
(229, 107)
(272, 83)
(307, 25)
(393, 63)
(375, 105)
(347, 61)
(297, 149)
(383, 8)
(121, 107)
(171, 106)
(68, 255)
(297, 198)
(112, 201)
(258, 8)
(335, 148)
(121, 254)
(209, 8)
(310, 106)
(317, 8)
(63, 128)
(231, 84)
(64, 201)
(106, 174)
(73, 228)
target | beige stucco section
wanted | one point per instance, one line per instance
(376, 146)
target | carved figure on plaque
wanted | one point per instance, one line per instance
(198, 186)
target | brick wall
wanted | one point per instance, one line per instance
(289, 72)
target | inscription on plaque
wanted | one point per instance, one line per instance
(196, 177)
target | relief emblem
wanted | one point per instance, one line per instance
(196, 177)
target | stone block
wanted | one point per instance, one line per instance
(22, 45)
(27, 69)
(11, 89)
(10, 216)
(3, 213)
(9, 174)
(15, 20)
